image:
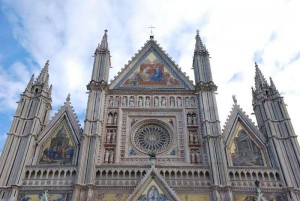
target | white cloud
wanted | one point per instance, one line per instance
(67, 33)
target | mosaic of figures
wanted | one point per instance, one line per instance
(156, 101)
(41, 196)
(153, 194)
(267, 197)
(109, 155)
(111, 196)
(194, 197)
(245, 152)
(151, 72)
(59, 149)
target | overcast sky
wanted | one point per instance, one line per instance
(236, 34)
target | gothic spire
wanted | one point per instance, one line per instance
(260, 81)
(104, 43)
(201, 64)
(101, 61)
(199, 45)
(43, 76)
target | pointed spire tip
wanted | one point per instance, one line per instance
(68, 97)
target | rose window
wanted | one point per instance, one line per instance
(152, 138)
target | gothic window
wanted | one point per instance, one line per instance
(245, 152)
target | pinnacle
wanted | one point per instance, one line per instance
(104, 43)
(260, 80)
(30, 83)
(44, 76)
(199, 45)
(272, 84)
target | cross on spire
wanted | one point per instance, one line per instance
(151, 34)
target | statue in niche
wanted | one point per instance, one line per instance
(189, 119)
(115, 118)
(140, 102)
(111, 156)
(117, 101)
(108, 136)
(192, 156)
(194, 120)
(193, 104)
(195, 138)
(131, 101)
(147, 102)
(187, 102)
(198, 156)
(179, 103)
(246, 152)
(172, 101)
(114, 136)
(191, 137)
(110, 118)
(124, 101)
(111, 101)
(106, 156)
(156, 101)
(163, 101)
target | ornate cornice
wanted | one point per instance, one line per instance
(209, 86)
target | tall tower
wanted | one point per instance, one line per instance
(209, 118)
(94, 120)
(30, 118)
(274, 122)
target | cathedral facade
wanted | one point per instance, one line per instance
(151, 134)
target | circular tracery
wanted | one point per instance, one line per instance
(152, 138)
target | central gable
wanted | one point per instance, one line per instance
(151, 69)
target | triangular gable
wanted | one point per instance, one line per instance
(153, 185)
(59, 141)
(151, 69)
(245, 144)
(236, 116)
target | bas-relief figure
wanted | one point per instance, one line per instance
(37, 197)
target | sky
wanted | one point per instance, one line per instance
(236, 34)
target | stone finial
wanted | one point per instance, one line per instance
(68, 97)
(234, 99)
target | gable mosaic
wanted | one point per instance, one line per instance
(59, 148)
